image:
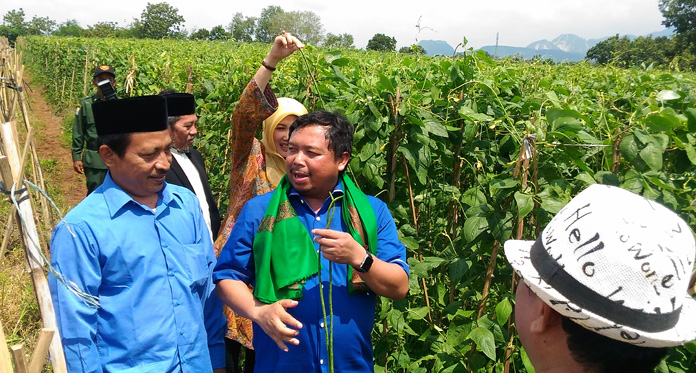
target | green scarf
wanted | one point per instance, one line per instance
(284, 252)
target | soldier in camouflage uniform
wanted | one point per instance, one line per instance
(85, 153)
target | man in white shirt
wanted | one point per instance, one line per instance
(187, 168)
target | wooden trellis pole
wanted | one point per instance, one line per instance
(12, 166)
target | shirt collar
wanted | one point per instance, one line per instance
(117, 198)
(337, 189)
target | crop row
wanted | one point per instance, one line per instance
(467, 151)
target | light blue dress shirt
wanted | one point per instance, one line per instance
(354, 315)
(152, 273)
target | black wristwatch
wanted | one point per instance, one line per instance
(366, 263)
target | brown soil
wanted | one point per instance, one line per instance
(49, 146)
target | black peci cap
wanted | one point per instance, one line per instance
(180, 104)
(128, 115)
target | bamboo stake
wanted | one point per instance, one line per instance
(29, 240)
(38, 359)
(18, 357)
(36, 166)
(5, 361)
(8, 232)
(84, 84)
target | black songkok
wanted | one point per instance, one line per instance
(179, 104)
(128, 115)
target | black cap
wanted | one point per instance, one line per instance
(103, 69)
(128, 115)
(179, 104)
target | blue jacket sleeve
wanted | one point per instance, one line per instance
(76, 256)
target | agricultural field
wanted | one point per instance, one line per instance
(467, 151)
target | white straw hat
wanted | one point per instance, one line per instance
(617, 264)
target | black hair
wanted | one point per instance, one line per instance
(606, 355)
(118, 142)
(339, 130)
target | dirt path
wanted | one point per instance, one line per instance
(52, 150)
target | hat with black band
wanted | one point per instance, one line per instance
(617, 264)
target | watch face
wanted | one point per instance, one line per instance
(367, 263)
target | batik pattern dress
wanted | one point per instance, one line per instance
(247, 179)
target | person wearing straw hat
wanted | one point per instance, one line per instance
(85, 154)
(604, 287)
(318, 252)
(188, 168)
(140, 247)
(256, 167)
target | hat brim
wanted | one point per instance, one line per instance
(518, 255)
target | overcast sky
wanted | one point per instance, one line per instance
(518, 22)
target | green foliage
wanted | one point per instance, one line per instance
(200, 34)
(381, 42)
(439, 140)
(413, 49)
(218, 33)
(242, 28)
(659, 52)
(264, 24)
(680, 14)
(344, 41)
(69, 28)
(41, 26)
(305, 25)
(159, 20)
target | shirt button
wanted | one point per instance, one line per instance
(318, 218)
(321, 324)
(321, 361)
(181, 332)
(170, 273)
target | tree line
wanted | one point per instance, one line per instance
(677, 52)
(161, 20)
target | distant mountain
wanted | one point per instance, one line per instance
(566, 47)
(433, 47)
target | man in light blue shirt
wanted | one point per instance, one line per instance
(318, 252)
(142, 248)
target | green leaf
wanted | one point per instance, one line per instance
(525, 361)
(331, 56)
(503, 184)
(503, 310)
(458, 268)
(652, 156)
(666, 95)
(629, 148)
(484, 340)
(473, 197)
(525, 203)
(418, 313)
(585, 178)
(436, 128)
(474, 226)
(691, 153)
(691, 119)
(501, 225)
(568, 126)
(660, 122)
(662, 140)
